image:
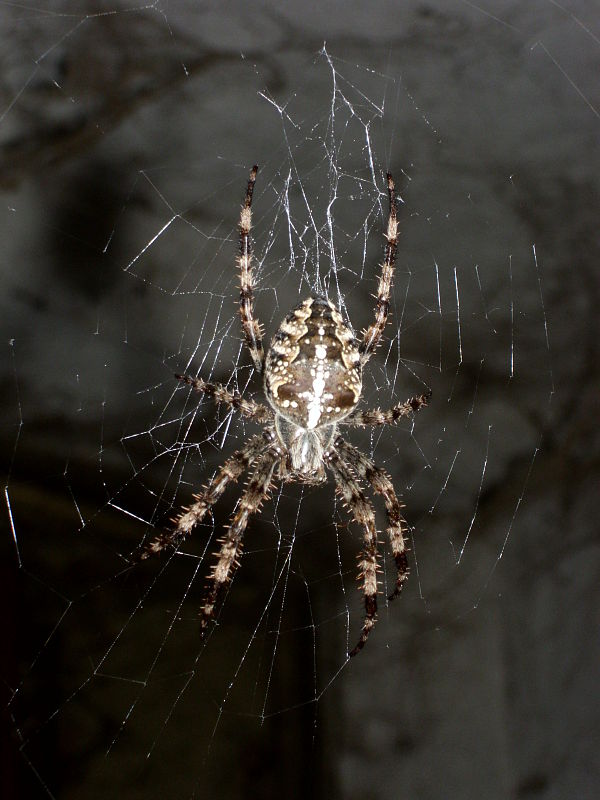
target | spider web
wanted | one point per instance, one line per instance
(111, 671)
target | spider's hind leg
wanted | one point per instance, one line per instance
(373, 333)
(251, 326)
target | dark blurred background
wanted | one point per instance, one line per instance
(126, 134)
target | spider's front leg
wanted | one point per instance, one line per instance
(205, 499)
(363, 513)
(231, 544)
(381, 484)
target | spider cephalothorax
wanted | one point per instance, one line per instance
(313, 382)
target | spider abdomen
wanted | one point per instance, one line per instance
(313, 368)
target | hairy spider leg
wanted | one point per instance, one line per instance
(190, 516)
(221, 394)
(250, 325)
(231, 544)
(381, 484)
(373, 333)
(363, 513)
(375, 416)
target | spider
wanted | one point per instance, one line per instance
(312, 377)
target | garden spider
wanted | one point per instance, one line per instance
(312, 379)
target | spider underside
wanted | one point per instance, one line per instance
(312, 375)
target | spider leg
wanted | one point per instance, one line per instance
(373, 333)
(249, 408)
(231, 544)
(363, 513)
(375, 416)
(381, 484)
(251, 326)
(207, 497)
